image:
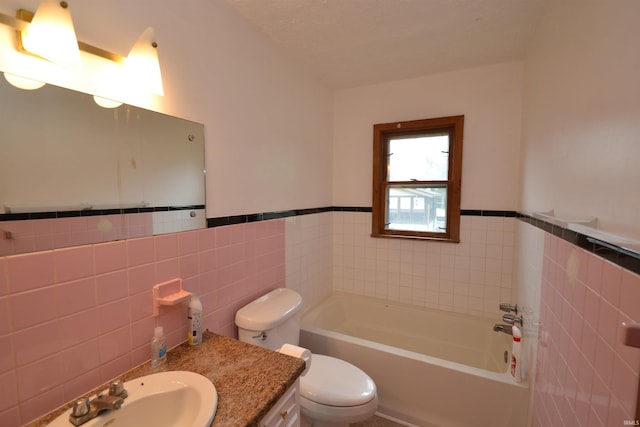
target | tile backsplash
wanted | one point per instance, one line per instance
(74, 318)
(473, 276)
(584, 375)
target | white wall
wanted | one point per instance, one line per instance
(582, 114)
(267, 125)
(489, 97)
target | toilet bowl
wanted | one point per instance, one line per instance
(336, 393)
(333, 393)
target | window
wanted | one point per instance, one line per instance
(417, 169)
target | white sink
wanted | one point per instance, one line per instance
(165, 399)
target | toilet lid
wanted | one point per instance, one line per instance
(334, 382)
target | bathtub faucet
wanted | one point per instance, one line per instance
(511, 319)
(503, 328)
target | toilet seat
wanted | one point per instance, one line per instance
(334, 382)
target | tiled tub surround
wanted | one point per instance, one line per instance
(71, 319)
(472, 277)
(249, 379)
(584, 375)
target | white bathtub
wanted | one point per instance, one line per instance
(432, 368)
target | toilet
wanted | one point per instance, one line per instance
(333, 393)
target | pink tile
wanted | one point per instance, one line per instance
(141, 278)
(611, 281)
(167, 270)
(43, 403)
(7, 354)
(8, 390)
(114, 368)
(189, 265)
(112, 286)
(5, 319)
(603, 362)
(76, 296)
(78, 328)
(78, 386)
(591, 308)
(79, 360)
(142, 334)
(73, 263)
(36, 343)
(222, 236)
(207, 238)
(141, 305)
(207, 260)
(32, 308)
(113, 316)
(38, 377)
(624, 385)
(114, 345)
(10, 417)
(608, 322)
(599, 399)
(188, 242)
(3, 283)
(166, 246)
(588, 342)
(594, 273)
(110, 256)
(630, 295)
(140, 251)
(30, 271)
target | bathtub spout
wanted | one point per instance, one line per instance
(507, 329)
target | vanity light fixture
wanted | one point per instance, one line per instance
(23, 82)
(49, 34)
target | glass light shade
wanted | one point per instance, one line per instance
(23, 82)
(51, 35)
(142, 64)
(105, 102)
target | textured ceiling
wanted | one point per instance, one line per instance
(348, 43)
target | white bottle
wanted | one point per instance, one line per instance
(158, 348)
(195, 320)
(516, 352)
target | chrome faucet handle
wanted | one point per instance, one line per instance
(511, 319)
(116, 388)
(509, 308)
(80, 407)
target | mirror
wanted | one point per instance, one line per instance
(74, 173)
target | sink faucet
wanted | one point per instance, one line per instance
(85, 409)
(503, 328)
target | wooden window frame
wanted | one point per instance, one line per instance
(454, 125)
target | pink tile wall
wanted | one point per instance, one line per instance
(585, 376)
(43, 234)
(72, 319)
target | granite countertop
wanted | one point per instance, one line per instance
(249, 379)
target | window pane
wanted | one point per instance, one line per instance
(424, 158)
(417, 208)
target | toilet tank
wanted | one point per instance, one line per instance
(272, 320)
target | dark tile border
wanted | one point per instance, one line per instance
(92, 212)
(625, 258)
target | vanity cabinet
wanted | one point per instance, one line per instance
(286, 412)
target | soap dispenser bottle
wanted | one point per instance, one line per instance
(158, 348)
(195, 320)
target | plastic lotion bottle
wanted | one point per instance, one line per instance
(158, 348)
(195, 320)
(516, 351)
